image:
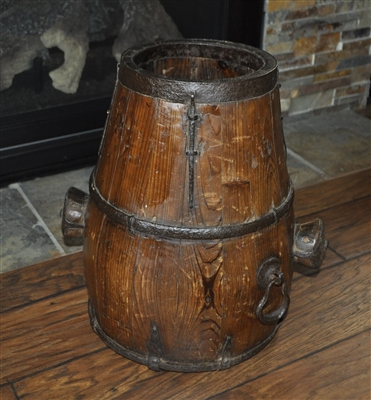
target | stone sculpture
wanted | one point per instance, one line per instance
(29, 28)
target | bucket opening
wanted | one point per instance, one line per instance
(197, 62)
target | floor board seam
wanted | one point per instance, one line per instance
(322, 210)
(362, 253)
(14, 391)
(51, 296)
(337, 253)
(336, 264)
(35, 373)
(315, 272)
(292, 362)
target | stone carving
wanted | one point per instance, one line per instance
(30, 27)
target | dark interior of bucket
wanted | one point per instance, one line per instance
(198, 62)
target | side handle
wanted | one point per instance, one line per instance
(309, 244)
(270, 274)
(74, 210)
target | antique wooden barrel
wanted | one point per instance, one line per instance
(189, 225)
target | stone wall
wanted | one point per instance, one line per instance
(323, 51)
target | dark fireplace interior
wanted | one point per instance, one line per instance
(44, 130)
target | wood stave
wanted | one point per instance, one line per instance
(240, 175)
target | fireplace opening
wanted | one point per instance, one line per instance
(45, 130)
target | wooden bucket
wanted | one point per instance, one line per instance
(189, 227)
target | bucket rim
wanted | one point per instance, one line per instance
(263, 79)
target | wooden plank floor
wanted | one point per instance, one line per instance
(322, 351)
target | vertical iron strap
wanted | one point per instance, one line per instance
(190, 151)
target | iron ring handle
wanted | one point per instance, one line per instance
(269, 274)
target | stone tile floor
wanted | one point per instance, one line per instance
(319, 148)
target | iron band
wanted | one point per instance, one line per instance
(158, 363)
(133, 74)
(162, 231)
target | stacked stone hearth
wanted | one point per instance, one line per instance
(323, 51)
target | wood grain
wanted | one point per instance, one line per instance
(332, 193)
(49, 278)
(48, 348)
(187, 165)
(195, 68)
(325, 311)
(346, 376)
(162, 197)
(352, 218)
(209, 191)
(321, 201)
(94, 377)
(7, 393)
(309, 328)
(279, 140)
(113, 139)
(44, 334)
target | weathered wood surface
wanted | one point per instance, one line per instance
(350, 217)
(309, 329)
(43, 280)
(223, 168)
(332, 193)
(322, 350)
(7, 393)
(38, 335)
(346, 376)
